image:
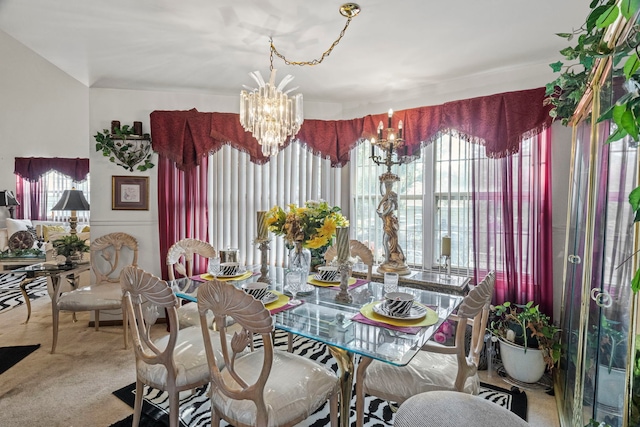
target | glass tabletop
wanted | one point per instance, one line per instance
(44, 268)
(323, 319)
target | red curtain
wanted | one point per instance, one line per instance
(32, 168)
(29, 171)
(182, 207)
(498, 122)
(512, 223)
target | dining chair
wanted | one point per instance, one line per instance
(266, 386)
(171, 363)
(443, 408)
(435, 366)
(109, 255)
(358, 249)
(180, 260)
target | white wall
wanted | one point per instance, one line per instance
(45, 112)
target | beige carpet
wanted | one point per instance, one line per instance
(71, 388)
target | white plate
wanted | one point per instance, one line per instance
(417, 312)
(269, 298)
(317, 277)
(304, 289)
(238, 274)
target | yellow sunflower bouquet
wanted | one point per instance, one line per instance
(313, 224)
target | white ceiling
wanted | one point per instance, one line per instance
(210, 46)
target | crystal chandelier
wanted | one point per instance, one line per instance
(269, 112)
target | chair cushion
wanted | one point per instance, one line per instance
(106, 296)
(453, 409)
(189, 356)
(296, 387)
(188, 316)
(427, 371)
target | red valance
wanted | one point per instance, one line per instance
(499, 122)
(32, 168)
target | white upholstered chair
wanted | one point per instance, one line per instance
(453, 409)
(358, 249)
(180, 260)
(172, 363)
(435, 367)
(264, 387)
(109, 255)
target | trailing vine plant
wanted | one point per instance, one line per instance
(576, 72)
(125, 150)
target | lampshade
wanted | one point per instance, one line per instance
(7, 198)
(71, 200)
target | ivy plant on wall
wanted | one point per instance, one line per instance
(125, 149)
(577, 71)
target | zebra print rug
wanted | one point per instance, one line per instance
(10, 295)
(195, 408)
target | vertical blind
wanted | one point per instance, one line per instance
(240, 188)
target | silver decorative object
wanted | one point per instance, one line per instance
(263, 245)
(343, 295)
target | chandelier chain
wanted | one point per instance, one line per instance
(313, 62)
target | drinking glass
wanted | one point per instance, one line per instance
(391, 282)
(294, 282)
(214, 266)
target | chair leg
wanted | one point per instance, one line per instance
(360, 376)
(174, 408)
(333, 410)
(97, 320)
(137, 405)
(125, 327)
(55, 313)
(215, 419)
(290, 342)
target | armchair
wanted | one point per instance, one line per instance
(357, 249)
(109, 254)
(263, 387)
(180, 264)
(172, 363)
(435, 367)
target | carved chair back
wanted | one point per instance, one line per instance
(180, 256)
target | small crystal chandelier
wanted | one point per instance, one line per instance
(269, 112)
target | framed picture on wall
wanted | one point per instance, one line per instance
(130, 193)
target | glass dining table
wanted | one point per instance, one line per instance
(342, 326)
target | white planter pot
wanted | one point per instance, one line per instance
(527, 367)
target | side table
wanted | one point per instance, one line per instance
(55, 272)
(10, 263)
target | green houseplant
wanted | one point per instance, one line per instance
(526, 335)
(125, 149)
(69, 246)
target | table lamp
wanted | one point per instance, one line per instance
(8, 199)
(72, 200)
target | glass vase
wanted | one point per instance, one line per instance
(300, 259)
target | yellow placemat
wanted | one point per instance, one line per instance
(280, 302)
(315, 282)
(429, 319)
(246, 275)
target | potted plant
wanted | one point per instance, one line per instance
(70, 246)
(608, 341)
(528, 340)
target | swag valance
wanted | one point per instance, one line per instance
(499, 122)
(32, 168)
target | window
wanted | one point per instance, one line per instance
(37, 198)
(434, 200)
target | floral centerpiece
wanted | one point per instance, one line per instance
(311, 226)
